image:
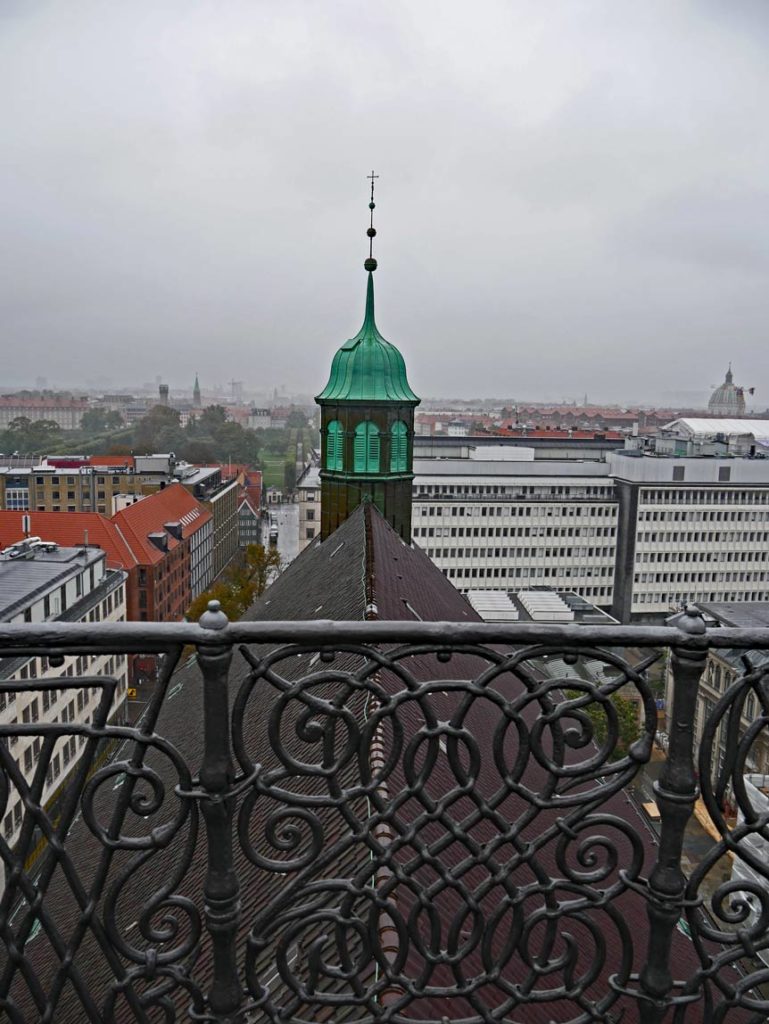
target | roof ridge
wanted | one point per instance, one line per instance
(370, 610)
(125, 541)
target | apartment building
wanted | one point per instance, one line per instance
(249, 523)
(164, 543)
(221, 498)
(39, 582)
(107, 485)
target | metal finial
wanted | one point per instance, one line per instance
(371, 264)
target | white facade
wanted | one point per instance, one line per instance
(308, 489)
(79, 589)
(512, 530)
(201, 552)
(641, 534)
(68, 413)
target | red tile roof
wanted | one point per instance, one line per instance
(124, 537)
(169, 505)
(69, 529)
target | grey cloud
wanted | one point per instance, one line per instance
(183, 187)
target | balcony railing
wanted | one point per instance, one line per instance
(400, 822)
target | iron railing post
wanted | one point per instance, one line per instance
(222, 888)
(676, 793)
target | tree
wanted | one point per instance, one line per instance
(94, 421)
(297, 419)
(241, 583)
(628, 725)
(28, 435)
(149, 427)
(263, 563)
(200, 452)
(19, 425)
(222, 593)
(213, 416)
(289, 477)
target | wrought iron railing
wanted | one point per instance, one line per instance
(400, 821)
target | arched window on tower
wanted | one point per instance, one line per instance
(399, 447)
(366, 448)
(335, 446)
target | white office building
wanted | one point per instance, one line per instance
(492, 523)
(641, 532)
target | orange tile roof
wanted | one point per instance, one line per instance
(69, 530)
(124, 537)
(169, 505)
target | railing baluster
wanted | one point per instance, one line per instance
(676, 793)
(222, 888)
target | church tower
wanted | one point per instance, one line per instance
(196, 394)
(367, 423)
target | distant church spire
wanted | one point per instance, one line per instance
(196, 393)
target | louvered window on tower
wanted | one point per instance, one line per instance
(335, 446)
(366, 448)
(399, 447)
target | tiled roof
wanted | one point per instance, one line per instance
(11, 401)
(69, 529)
(149, 515)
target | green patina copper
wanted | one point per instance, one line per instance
(367, 368)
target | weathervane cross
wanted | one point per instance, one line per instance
(370, 263)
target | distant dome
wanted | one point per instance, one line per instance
(727, 399)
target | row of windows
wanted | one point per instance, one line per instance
(705, 497)
(479, 572)
(527, 492)
(681, 598)
(515, 531)
(523, 553)
(701, 577)
(367, 447)
(707, 536)
(729, 515)
(71, 480)
(530, 511)
(701, 556)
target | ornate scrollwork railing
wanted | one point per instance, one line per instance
(387, 822)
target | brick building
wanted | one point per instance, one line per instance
(163, 542)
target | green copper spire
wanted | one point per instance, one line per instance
(367, 368)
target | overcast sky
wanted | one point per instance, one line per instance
(573, 196)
